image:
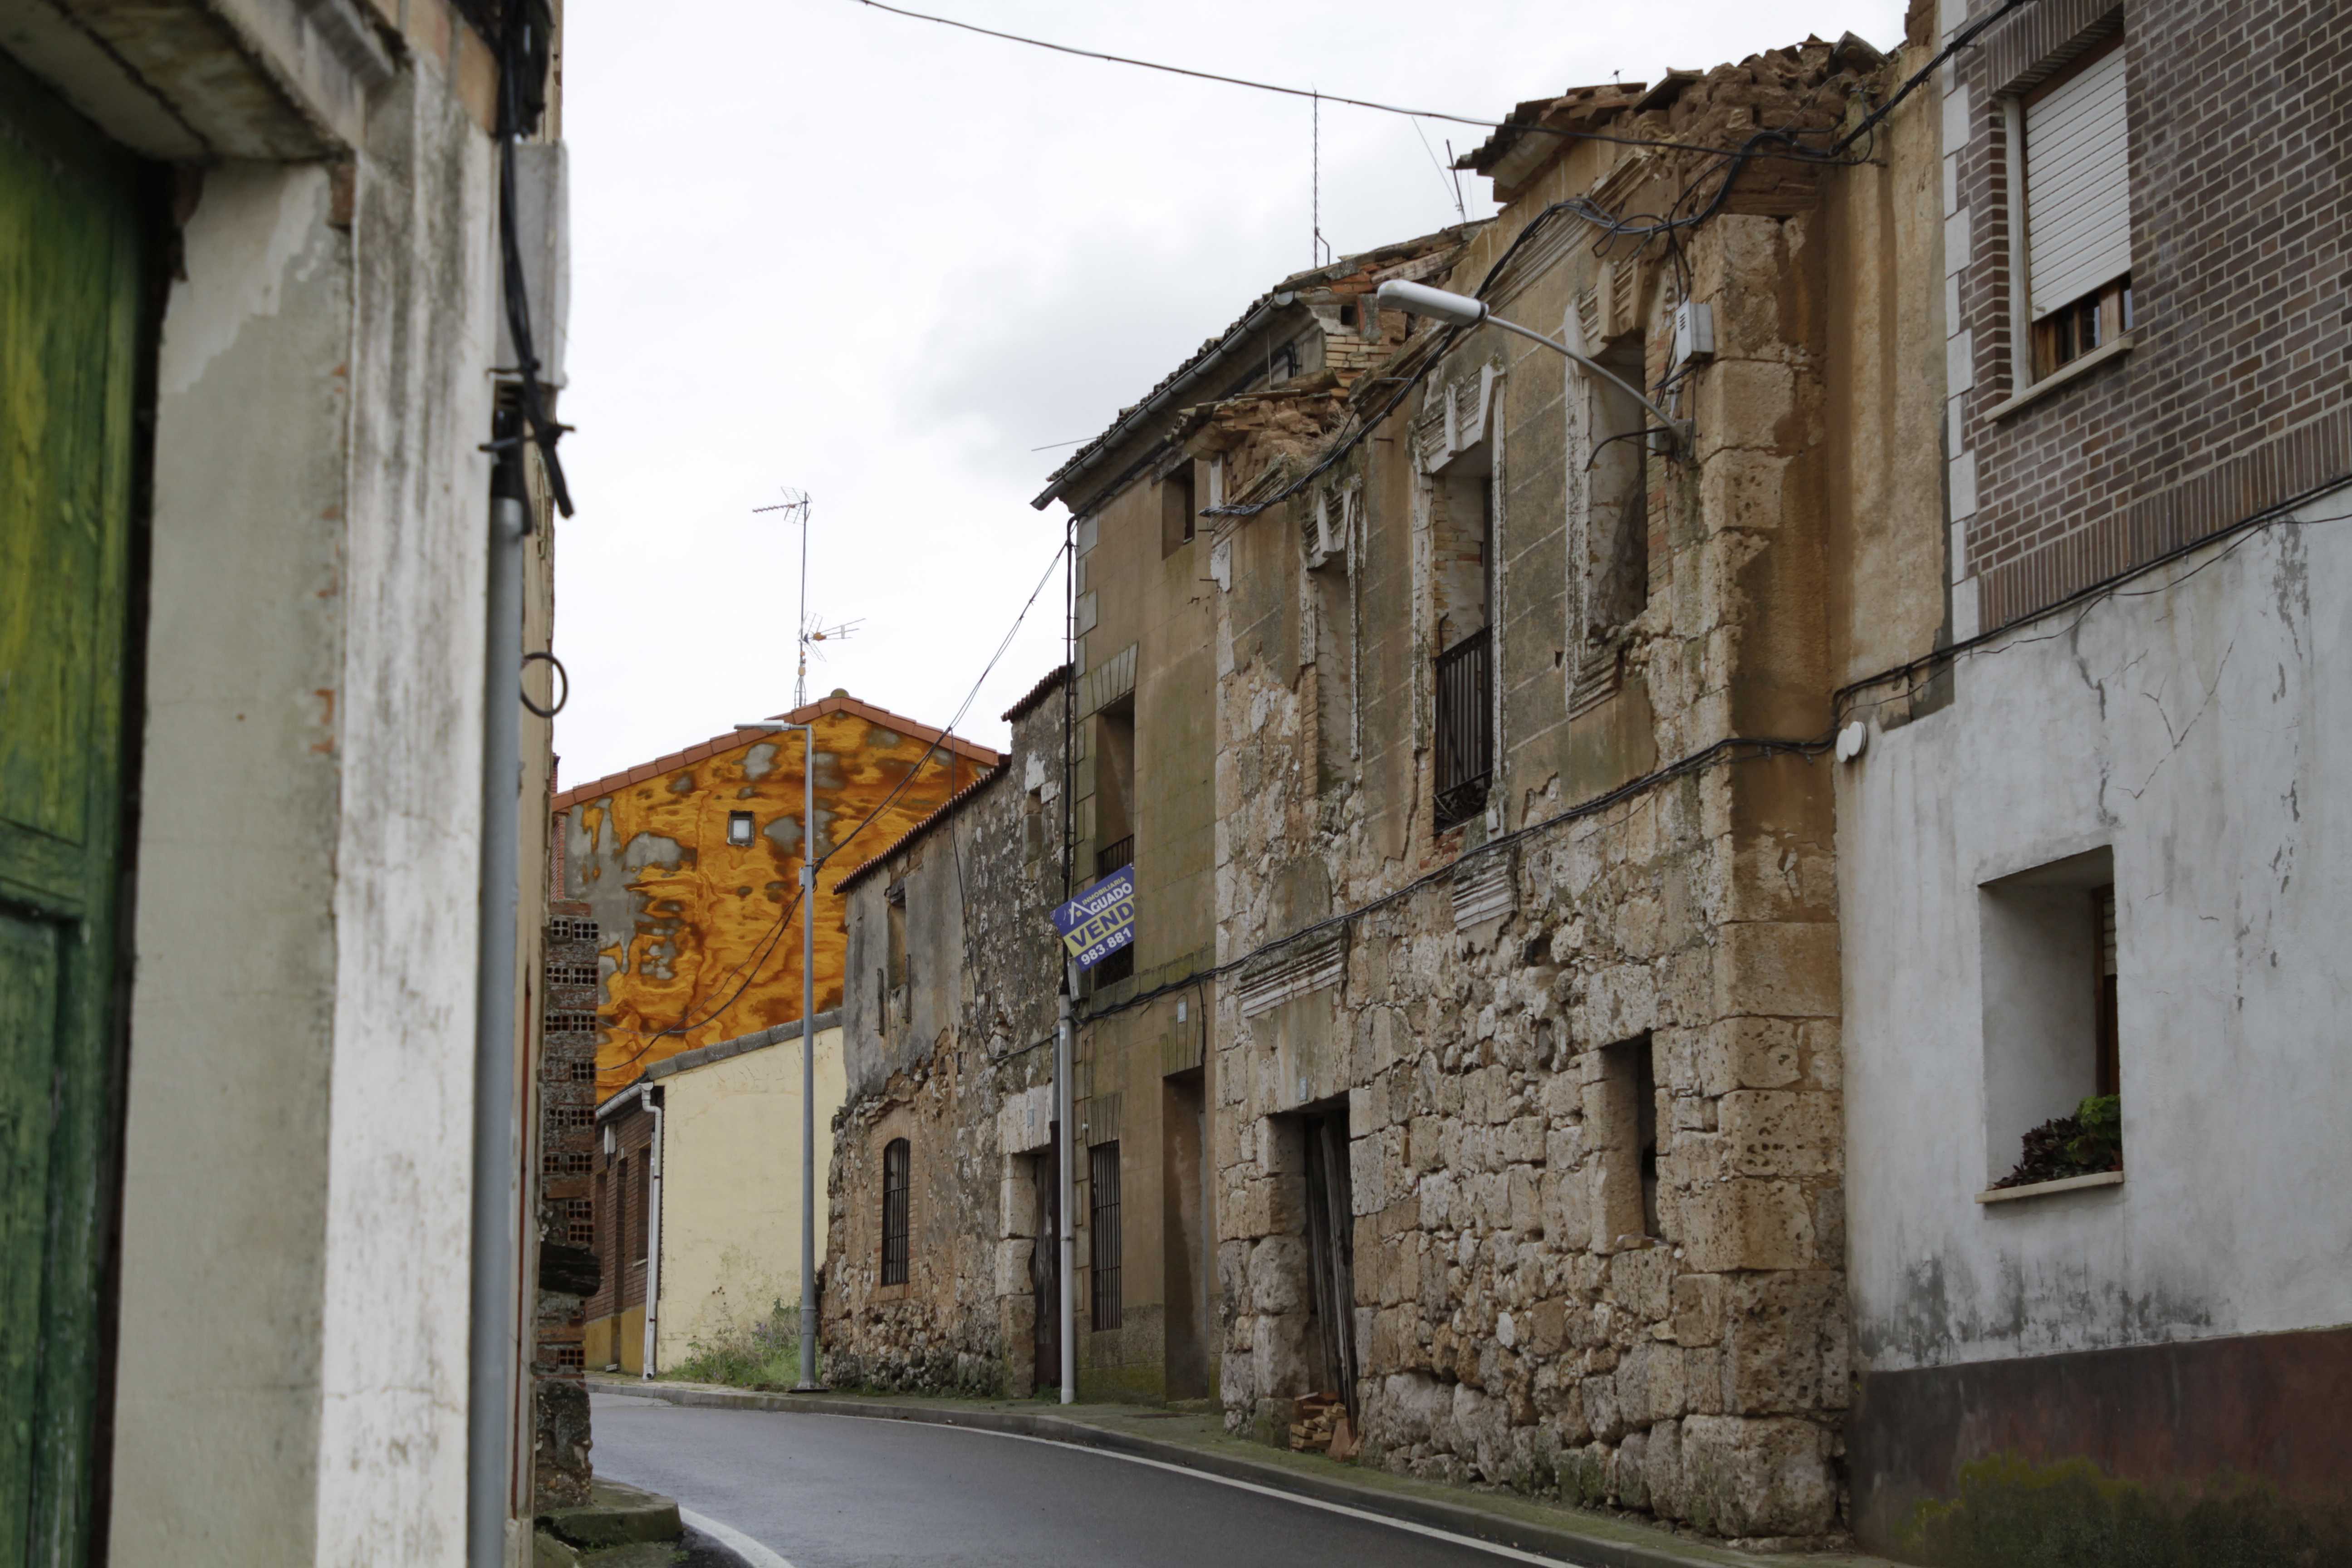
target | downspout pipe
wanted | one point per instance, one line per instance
(653, 1240)
(495, 1281)
(1065, 1177)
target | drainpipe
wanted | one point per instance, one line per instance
(1069, 1238)
(653, 1241)
(497, 1175)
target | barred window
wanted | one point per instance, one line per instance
(1102, 1214)
(893, 1211)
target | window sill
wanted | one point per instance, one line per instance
(2042, 1189)
(2066, 375)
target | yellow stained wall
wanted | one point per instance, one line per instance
(730, 1229)
(694, 927)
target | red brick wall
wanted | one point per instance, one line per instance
(2234, 397)
(620, 1191)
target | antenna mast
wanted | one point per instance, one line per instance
(795, 508)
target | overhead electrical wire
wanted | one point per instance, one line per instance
(1309, 92)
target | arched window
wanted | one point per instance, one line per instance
(893, 1211)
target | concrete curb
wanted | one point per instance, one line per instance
(1563, 1540)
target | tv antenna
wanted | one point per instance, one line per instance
(809, 629)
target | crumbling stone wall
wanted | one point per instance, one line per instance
(970, 1093)
(1646, 903)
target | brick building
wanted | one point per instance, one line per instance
(623, 1202)
(2085, 881)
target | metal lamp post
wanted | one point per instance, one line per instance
(808, 1382)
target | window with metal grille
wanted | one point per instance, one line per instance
(1102, 1173)
(1464, 730)
(896, 1158)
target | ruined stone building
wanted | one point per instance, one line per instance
(1528, 1138)
(1667, 867)
(942, 1259)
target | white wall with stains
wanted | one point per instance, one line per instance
(295, 1199)
(2197, 725)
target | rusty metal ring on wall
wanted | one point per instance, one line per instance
(535, 708)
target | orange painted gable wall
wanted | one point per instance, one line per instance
(687, 920)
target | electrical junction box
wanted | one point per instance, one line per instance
(1694, 333)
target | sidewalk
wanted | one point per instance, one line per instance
(1198, 1442)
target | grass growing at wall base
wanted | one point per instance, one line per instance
(2013, 1513)
(766, 1356)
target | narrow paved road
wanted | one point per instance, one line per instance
(844, 1491)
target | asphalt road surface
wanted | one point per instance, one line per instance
(846, 1491)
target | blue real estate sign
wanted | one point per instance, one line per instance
(1101, 921)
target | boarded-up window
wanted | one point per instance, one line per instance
(896, 1159)
(1103, 1214)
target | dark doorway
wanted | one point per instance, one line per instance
(1184, 1122)
(1330, 1254)
(1046, 1265)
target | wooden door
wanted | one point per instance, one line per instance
(1045, 1270)
(71, 286)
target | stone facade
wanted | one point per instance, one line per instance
(948, 1038)
(1583, 1039)
(1521, 1116)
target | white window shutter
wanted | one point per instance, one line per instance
(2077, 186)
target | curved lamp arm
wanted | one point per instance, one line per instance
(1461, 311)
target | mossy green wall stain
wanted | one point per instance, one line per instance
(2012, 1513)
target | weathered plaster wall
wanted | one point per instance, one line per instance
(392, 1444)
(689, 917)
(731, 1236)
(320, 398)
(225, 1188)
(2191, 731)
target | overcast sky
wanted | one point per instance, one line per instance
(819, 246)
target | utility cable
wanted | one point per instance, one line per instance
(1482, 124)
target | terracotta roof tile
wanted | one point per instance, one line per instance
(1038, 693)
(596, 789)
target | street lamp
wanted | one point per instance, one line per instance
(1462, 311)
(808, 1382)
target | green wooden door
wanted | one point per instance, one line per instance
(72, 287)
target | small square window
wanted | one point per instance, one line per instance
(740, 829)
(2053, 1067)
